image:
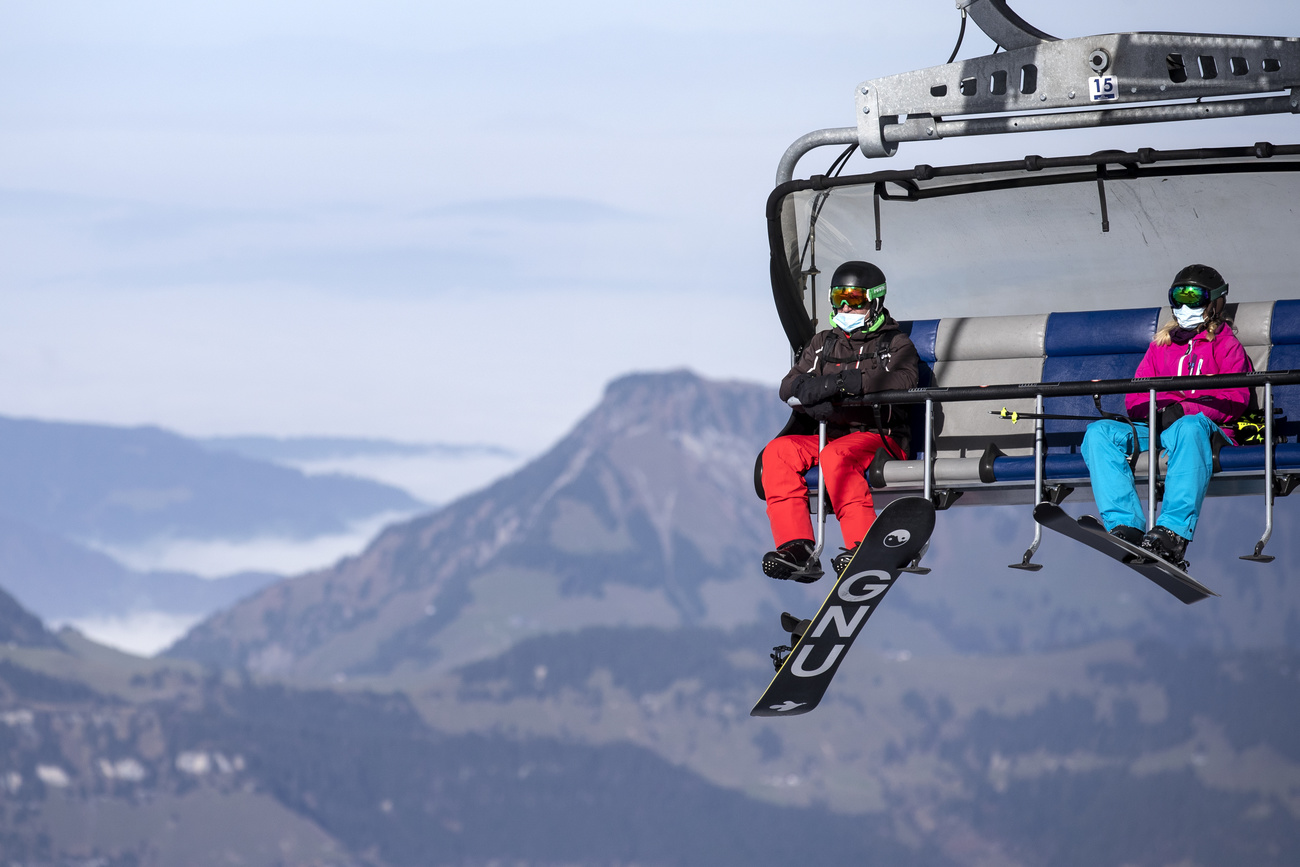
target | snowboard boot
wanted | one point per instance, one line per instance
(1132, 535)
(1167, 545)
(841, 560)
(793, 561)
(796, 628)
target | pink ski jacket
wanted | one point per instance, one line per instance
(1200, 356)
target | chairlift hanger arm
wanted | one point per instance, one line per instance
(1059, 75)
(1002, 25)
(1043, 83)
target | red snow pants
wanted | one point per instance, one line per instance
(844, 463)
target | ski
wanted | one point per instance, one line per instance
(1090, 532)
(898, 534)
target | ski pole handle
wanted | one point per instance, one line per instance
(1006, 413)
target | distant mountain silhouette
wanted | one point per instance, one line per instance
(61, 580)
(125, 485)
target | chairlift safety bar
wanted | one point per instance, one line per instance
(1027, 390)
(1041, 390)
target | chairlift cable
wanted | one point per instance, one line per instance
(960, 35)
(841, 161)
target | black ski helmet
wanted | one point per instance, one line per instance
(867, 277)
(1203, 277)
(864, 275)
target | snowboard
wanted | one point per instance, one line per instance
(1090, 532)
(898, 534)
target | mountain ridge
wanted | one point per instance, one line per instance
(127, 485)
(558, 669)
(638, 493)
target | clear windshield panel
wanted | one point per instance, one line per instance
(1041, 249)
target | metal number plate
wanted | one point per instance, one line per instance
(1103, 88)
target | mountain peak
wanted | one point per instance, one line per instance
(629, 519)
(683, 401)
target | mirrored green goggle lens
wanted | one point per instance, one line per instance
(1189, 296)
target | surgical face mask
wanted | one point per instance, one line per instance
(1189, 317)
(849, 321)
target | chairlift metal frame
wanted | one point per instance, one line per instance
(1039, 82)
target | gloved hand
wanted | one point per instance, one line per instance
(812, 390)
(1170, 414)
(850, 382)
(820, 411)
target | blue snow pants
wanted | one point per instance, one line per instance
(1106, 446)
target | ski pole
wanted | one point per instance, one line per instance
(1014, 417)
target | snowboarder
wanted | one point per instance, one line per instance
(864, 351)
(1197, 341)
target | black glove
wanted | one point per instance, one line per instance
(1170, 414)
(851, 382)
(812, 390)
(820, 411)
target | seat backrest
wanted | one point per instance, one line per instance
(1252, 323)
(1070, 347)
(923, 333)
(980, 351)
(1099, 344)
(1284, 334)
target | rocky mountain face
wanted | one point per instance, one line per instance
(643, 515)
(558, 670)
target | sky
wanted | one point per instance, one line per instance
(437, 222)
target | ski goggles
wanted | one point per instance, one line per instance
(1194, 296)
(855, 296)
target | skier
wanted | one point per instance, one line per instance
(1197, 341)
(863, 352)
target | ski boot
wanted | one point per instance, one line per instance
(1132, 535)
(793, 561)
(841, 560)
(796, 628)
(1167, 545)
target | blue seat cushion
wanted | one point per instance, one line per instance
(924, 333)
(1065, 436)
(1100, 332)
(1286, 456)
(1286, 397)
(1021, 469)
(1066, 466)
(1284, 330)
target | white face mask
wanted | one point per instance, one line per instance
(1189, 317)
(849, 321)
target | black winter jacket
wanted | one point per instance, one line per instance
(886, 360)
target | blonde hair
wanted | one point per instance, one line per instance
(1164, 336)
